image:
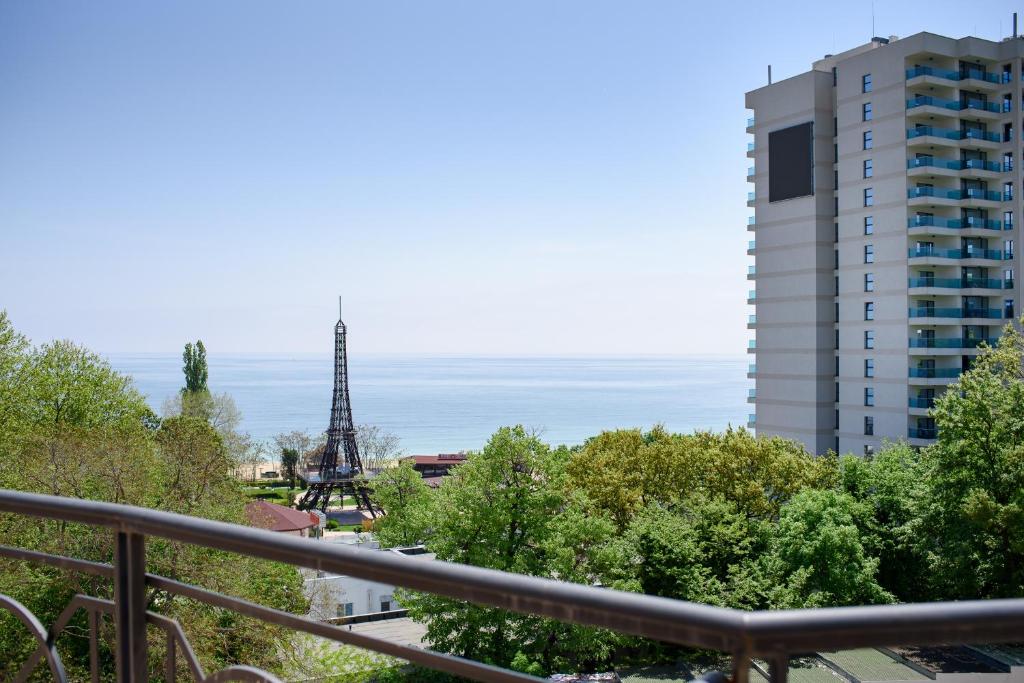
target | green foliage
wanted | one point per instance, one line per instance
(401, 493)
(71, 426)
(505, 509)
(195, 368)
(289, 460)
(973, 509)
(625, 470)
(821, 557)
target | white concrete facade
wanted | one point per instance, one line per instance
(916, 148)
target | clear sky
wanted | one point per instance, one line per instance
(527, 177)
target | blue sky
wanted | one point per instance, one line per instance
(473, 177)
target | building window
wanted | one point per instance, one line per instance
(869, 169)
(1008, 249)
(869, 196)
(869, 396)
(869, 310)
(865, 83)
(1008, 278)
(837, 387)
(345, 609)
(869, 225)
(869, 450)
(1007, 191)
(1007, 308)
(869, 367)
(867, 111)
(834, 77)
(837, 312)
(868, 140)
(869, 253)
(869, 425)
(837, 374)
(1008, 161)
(869, 339)
(385, 603)
(837, 340)
(869, 282)
(1008, 220)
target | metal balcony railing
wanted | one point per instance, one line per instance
(770, 635)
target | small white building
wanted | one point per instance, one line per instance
(337, 595)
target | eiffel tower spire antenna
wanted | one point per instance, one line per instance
(340, 470)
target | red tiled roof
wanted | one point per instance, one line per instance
(277, 517)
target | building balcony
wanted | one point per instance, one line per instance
(950, 343)
(751, 172)
(956, 283)
(921, 403)
(751, 321)
(950, 137)
(751, 272)
(932, 225)
(751, 221)
(937, 106)
(751, 346)
(752, 296)
(935, 312)
(930, 166)
(751, 395)
(751, 247)
(750, 124)
(958, 254)
(937, 196)
(751, 370)
(928, 433)
(751, 420)
(751, 198)
(934, 373)
(971, 78)
(751, 150)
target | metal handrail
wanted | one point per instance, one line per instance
(773, 635)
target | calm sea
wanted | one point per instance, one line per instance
(439, 404)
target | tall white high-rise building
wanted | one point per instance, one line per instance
(884, 207)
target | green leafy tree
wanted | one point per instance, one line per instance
(406, 501)
(195, 368)
(504, 509)
(892, 487)
(289, 460)
(83, 430)
(973, 511)
(820, 556)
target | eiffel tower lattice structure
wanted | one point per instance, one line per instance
(340, 471)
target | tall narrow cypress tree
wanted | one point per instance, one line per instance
(196, 372)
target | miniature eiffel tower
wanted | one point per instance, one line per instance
(333, 478)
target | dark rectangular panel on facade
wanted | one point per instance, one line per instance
(791, 162)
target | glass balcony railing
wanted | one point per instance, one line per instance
(752, 319)
(955, 164)
(921, 402)
(751, 196)
(750, 122)
(752, 393)
(929, 101)
(955, 223)
(952, 134)
(752, 344)
(956, 283)
(752, 244)
(922, 432)
(751, 270)
(978, 104)
(750, 220)
(954, 75)
(935, 373)
(953, 343)
(936, 312)
(752, 294)
(969, 193)
(750, 146)
(751, 418)
(750, 170)
(990, 254)
(752, 369)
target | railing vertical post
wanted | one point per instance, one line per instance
(778, 668)
(130, 607)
